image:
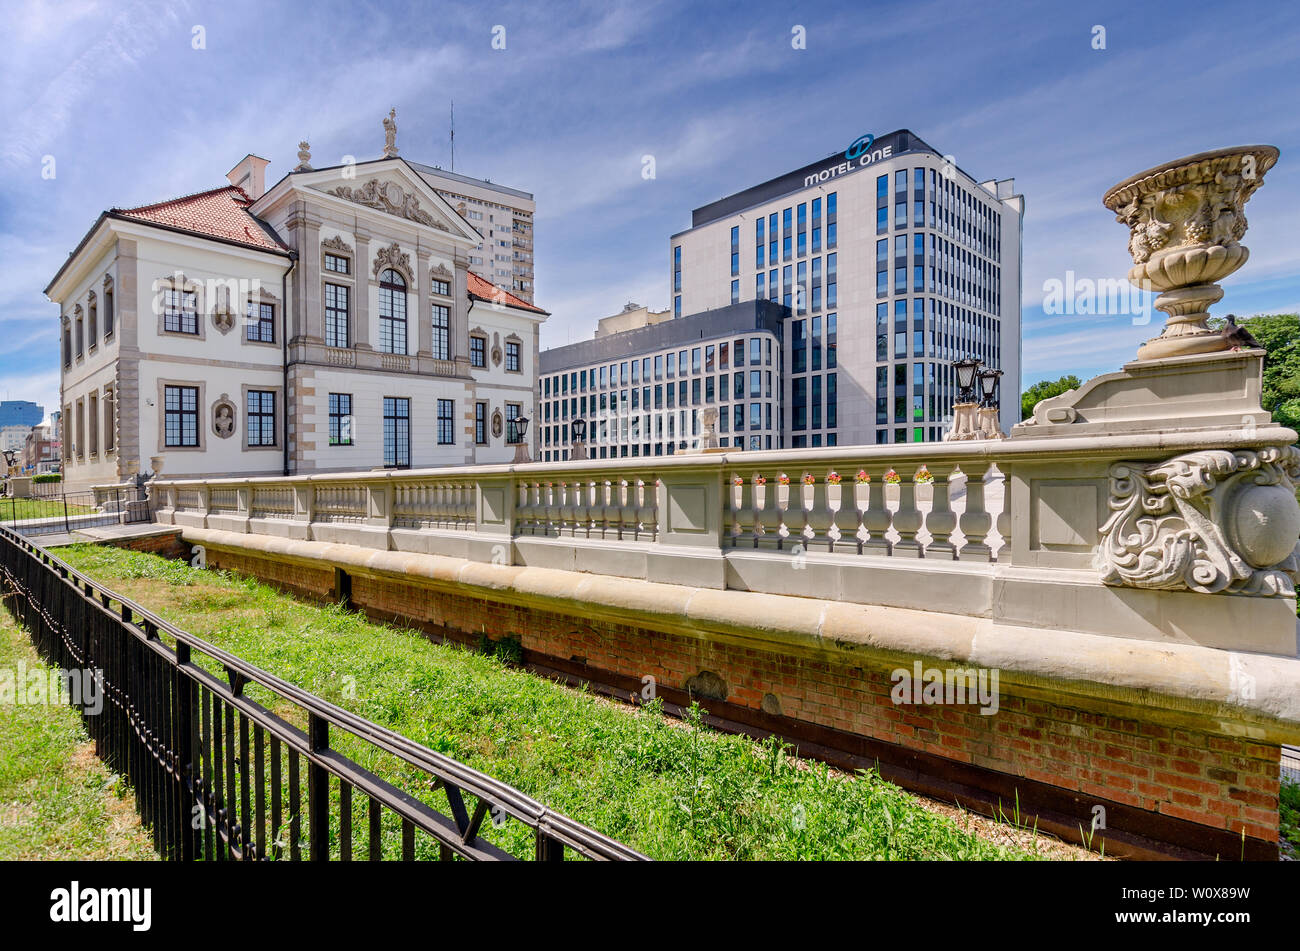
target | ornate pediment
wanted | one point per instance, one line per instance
(440, 273)
(390, 197)
(336, 244)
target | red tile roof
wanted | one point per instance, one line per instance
(484, 290)
(220, 213)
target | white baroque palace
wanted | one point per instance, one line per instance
(328, 323)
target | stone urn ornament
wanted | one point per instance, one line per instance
(1186, 222)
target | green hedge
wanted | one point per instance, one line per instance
(48, 477)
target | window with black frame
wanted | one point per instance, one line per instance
(260, 418)
(340, 407)
(260, 326)
(180, 416)
(397, 431)
(392, 312)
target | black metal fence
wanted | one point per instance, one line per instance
(52, 510)
(220, 776)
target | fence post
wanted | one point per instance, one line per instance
(183, 737)
(318, 790)
(66, 528)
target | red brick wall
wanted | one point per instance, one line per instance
(168, 546)
(1214, 781)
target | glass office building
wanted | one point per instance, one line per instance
(891, 263)
(641, 392)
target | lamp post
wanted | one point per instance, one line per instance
(989, 427)
(520, 424)
(578, 429)
(965, 423)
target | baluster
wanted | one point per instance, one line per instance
(736, 502)
(940, 522)
(764, 511)
(843, 531)
(1003, 521)
(626, 510)
(907, 520)
(582, 510)
(975, 522)
(648, 513)
(876, 521)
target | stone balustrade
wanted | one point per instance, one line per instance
(1183, 533)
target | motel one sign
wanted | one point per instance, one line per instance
(856, 156)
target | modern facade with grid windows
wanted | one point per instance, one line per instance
(893, 263)
(642, 391)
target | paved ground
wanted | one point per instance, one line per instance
(102, 533)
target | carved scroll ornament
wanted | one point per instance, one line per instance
(389, 197)
(1210, 521)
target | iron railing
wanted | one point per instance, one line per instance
(196, 747)
(48, 512)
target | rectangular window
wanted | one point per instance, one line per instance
(735, 292)
(180, 312)
(397, 431)
(260, 422)
(181, 416)
(512, 356)
(260, 324)
(478, 354)
(441, 288)
(446, 423)
(513, 412)
(441, 332)
(336, 315)
(108, 314)
(392, 324)
(337, 264)
(340, 419)
(480, 424)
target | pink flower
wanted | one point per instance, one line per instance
(783, 479)
(833, 478)
(923, 475)
(892, 477)
(809, 479)
(760, 480)
(862, 478)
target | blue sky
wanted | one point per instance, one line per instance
(132, 113)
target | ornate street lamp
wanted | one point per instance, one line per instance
(966, 370)
(578, 429)
(520, 424)
(989, 384)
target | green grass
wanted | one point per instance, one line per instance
(672, 790)
(57, 800)
(19, 509)
(1290, 813)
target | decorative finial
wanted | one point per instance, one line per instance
(390, 134)
(304, 157)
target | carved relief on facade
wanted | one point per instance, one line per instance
(496, 349)
(1210, 521)
(391, 256)
(390, 197)
(336, 244)
(498, 424)
(441, 273)
(223, 417)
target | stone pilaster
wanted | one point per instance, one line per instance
(361, 293)
(424, 335)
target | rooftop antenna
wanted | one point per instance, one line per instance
(453, 135)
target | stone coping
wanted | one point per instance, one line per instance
(1255, 696)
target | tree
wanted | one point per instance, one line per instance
(1044, 389)
(1279, 335)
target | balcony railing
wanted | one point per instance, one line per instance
(1106, 530)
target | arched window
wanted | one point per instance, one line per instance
(392, 312)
